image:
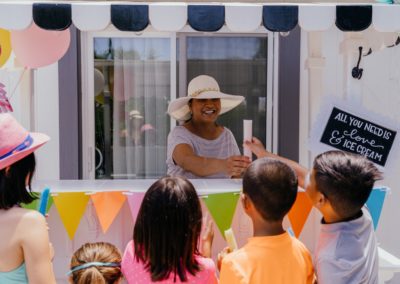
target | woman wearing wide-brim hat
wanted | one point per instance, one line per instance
(200, 147)
(25, 250)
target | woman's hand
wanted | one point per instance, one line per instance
(257, 147)
(207, 239)
(236, 165)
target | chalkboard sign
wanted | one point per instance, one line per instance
(350, 133)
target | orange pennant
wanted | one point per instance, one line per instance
(299, 213)
(107, 206)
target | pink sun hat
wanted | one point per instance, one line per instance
(16, 142)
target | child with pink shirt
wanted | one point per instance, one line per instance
(166, 237)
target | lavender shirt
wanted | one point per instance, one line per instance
(221, 148)
(347, 252)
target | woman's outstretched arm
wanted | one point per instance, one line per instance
(184, 156)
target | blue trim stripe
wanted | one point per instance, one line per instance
(206, 18)
(130, 18)
(25, 144)
(52, 16)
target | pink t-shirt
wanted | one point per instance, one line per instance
(135, 273)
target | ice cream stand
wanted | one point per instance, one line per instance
(346, 60)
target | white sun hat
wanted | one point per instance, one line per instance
(202, 87)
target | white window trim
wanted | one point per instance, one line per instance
(87, 63)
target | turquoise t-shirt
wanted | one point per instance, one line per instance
(16, 276)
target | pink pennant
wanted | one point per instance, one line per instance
(5, 105)
(134, 201)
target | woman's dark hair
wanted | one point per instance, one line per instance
(14, 181)
(167, 229)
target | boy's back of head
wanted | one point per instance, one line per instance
(345, 179)
(272, 187)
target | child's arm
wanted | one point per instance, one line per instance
(207, 239)
(259, 150)
(36, 249)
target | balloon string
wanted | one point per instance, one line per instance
(19, 81)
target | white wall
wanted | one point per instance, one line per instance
(380, 94)
(46, 120)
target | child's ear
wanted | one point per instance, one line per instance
(245, 201)
(321, 200)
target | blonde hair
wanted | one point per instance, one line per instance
(96, 252)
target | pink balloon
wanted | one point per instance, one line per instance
(35, 47)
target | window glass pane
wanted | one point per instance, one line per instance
(239, 64)
(132, 90)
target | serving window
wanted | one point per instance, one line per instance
(129, 80)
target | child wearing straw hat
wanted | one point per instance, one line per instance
(24, 248)
(200, 147)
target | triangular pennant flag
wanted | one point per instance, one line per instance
(34, 204)
(375, 203)
(71, 206)
(107, 206)
(299, 212)
(135, 200)
(222, 208)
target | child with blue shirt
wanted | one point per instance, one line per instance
(339, 185)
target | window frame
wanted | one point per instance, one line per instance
(87, 82)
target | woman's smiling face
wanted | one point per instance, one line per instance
(205, 109)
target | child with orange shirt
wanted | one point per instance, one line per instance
(271, 255)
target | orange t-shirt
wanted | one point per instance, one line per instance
(279, 259)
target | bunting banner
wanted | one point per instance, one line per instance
(135, 200)
(299, 212)
(375, 203)
(222, 207)
(107, 206)
(71, 206)
(35, 203)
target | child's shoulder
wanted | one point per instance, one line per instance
(206, 263)
(236, 255)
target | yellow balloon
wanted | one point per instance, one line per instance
(5, 46)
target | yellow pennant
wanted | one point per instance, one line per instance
(71, 206)
(5, 46)
(107, 206)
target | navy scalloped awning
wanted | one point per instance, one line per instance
(353, 18)
(206, 18)
(280, 18)
(203, 17)
(131, 18)
(52, 16)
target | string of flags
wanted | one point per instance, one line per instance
(71, 207)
